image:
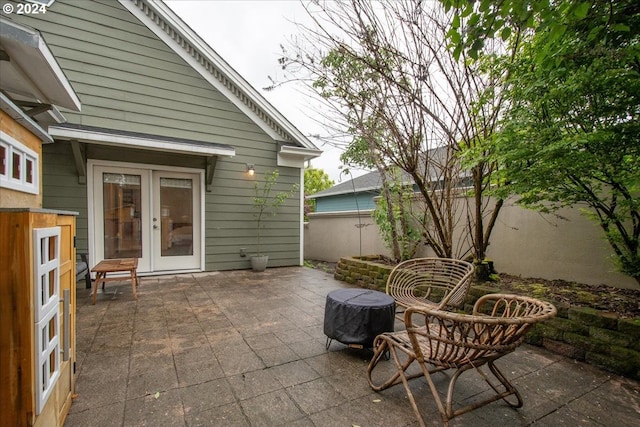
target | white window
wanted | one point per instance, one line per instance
(46, 244)
(18, 165)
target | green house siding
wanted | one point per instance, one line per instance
(61, 190)
(230, 223)
(127, 79)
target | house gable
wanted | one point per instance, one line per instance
(133, 85)
(160, 19)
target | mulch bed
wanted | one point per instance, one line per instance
(625, 302)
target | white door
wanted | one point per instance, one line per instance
(147, 214)
(176, 219)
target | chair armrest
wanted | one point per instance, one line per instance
(514, 306)
(447, 337)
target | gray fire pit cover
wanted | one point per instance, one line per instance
(357, 316)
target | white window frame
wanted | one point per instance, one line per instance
(47, 358)
(46, 312)
(14, 147)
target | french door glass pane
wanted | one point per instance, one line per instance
(122, 202)
(176, 209)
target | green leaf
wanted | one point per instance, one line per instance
(456, 22)
(467, 10)
(473, 21)
(477, 46)
(557, 31)
(454, 36)
(594, 33)
(621, 27)
(506, 32)
(581, 10)
(457, 51)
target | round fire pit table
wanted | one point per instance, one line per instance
(356, 316)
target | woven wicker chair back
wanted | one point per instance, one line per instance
(437, 282)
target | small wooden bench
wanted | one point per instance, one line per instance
(129, 265)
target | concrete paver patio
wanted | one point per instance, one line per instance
(247, 349)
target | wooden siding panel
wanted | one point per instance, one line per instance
(231, 226)
(137, 75)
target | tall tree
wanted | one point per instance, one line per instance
(385, 67)
(572, 135)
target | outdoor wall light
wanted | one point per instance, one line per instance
(250, 169)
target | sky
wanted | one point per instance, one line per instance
(248, 34)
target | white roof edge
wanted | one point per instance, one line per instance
(340, 213)
(21, 117)
(133, 141)
(341, 192)
(32, 38)
(307, 153)
(74, 101)
(160, 8)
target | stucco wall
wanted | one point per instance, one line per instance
(329, 236)
(565, 245)
(17, 199)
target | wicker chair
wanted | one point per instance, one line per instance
(435, 282)
(460, 342)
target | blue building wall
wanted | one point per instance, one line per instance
(346, 202)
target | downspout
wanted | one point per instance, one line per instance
(301, 213)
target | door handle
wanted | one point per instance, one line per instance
(155, 227)
(67, 327)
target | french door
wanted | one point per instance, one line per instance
(152, 215)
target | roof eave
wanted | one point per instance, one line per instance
(31, 57)
(146, 142)
(291, 156)
(343, 192)
(23, 119)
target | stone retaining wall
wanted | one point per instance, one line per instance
(598, 338)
